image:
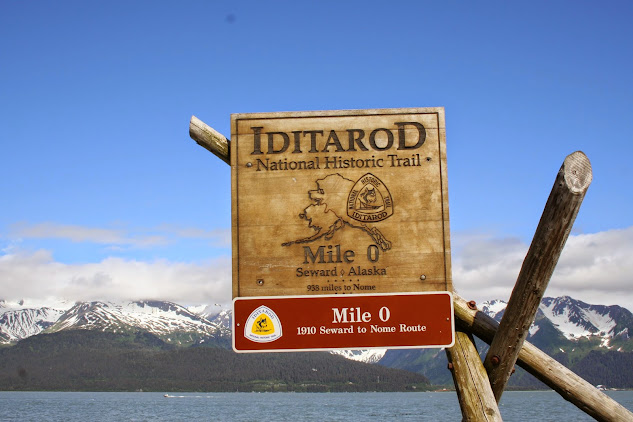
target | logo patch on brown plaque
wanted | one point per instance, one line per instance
(369, 200)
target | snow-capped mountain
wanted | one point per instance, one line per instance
(224, 319)
(169, 321)
(16, 324)
(206, 311)
(577, 319)
(574, 319)
(494, 308)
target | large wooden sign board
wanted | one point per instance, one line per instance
(339, 202)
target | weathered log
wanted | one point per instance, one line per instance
(552, 232)
(210, 139)
(559, 378)
(569, 385)
(471, 381)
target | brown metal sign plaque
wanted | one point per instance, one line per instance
(339, 202)
(330, 322)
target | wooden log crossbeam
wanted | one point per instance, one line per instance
(538, 363)
(210, 139)
(561, 209)
(569, 385)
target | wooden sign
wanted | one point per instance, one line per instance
(330, 322)
(339, 202)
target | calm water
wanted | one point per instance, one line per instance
(51, 406)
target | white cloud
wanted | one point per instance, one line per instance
(220, 237)
(118, 238)
(595, 268)
(82, 234)
(37, 276)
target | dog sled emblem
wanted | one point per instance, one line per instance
(263, 325)
(369, 200)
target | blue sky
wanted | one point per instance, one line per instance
(104, 195)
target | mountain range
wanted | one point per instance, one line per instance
(569, 330)
(168, 321)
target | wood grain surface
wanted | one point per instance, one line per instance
(340, 202)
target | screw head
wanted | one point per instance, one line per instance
(495, 360)
(423, 277)
(472, 305)
(260, 281)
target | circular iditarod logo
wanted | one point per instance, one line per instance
(263, 325)
(369, 200)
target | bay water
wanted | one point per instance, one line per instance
(419, 406)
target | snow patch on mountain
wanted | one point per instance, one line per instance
(533, 330)
(493, 307)
(367, 356)
(603, 322)
(198, 310)
(576, 319)
(562, 319)
(209, 312)
(223, 318)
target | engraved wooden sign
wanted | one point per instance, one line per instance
(339, 202)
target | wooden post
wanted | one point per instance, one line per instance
(475, 396)
(559, 214)
(471, 381)
(209, 138)
(569, 385)
(566, 383)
